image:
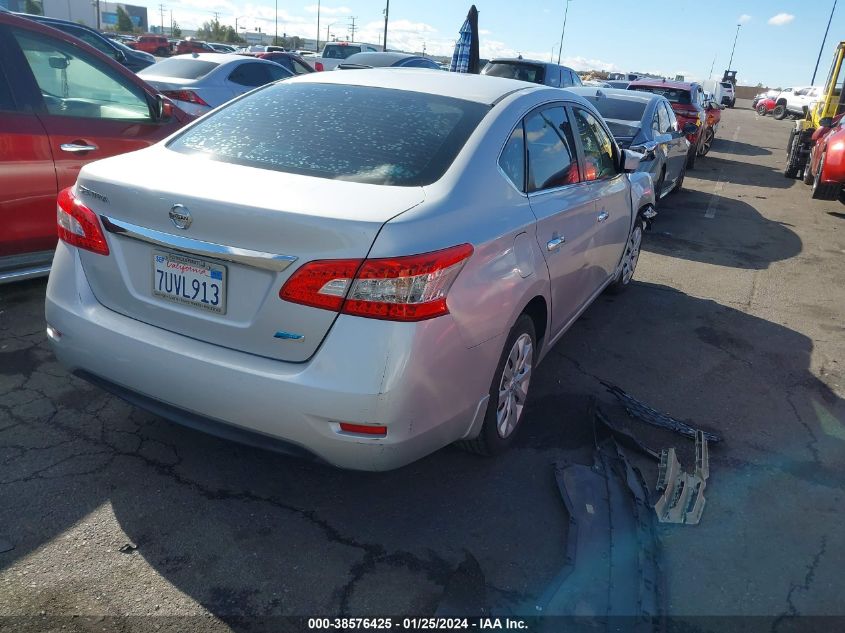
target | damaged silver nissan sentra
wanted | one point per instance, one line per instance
(362, 266)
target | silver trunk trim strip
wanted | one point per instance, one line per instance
(256, 259)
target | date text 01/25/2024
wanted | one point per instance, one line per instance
(416, 624)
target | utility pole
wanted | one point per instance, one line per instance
(824, 39)
(171, 22)
(386, 14)
(276, 33)
(565, 14)
(730, 62)
(712, 66)
(97, 2)
(161, 8)
(318, 27)
(352, 28)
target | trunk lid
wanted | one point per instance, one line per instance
(240, 217)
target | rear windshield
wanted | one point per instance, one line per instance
(727, 84)
(355, 133)
(333, 51)
(672, 94)
(516, 70)
(622, 116)
(181, 68)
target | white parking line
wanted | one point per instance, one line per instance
(720, 185)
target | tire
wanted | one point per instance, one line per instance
(792, 166)
(679, 183)
(762, 110)
(779, 113)
(808, 173)
(821, 190)
(706, 142)
(491, 440)
(692, 154)
(732, 103)
(161, 52)
(630, 257)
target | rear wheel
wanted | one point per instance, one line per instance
(822, 190)
(779, 112)
(629, 258)
(706, 142)
(792, 156)
(508, 391)
(762, 110)
(693, 151)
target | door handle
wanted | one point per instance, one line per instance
(603, 216)
(76, 147)
(555, 243)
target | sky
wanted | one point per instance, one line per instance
(777, 46)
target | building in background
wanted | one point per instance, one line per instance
(84, 12)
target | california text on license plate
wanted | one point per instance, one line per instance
(189, 281)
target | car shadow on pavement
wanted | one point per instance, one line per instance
(248, 533)
(684, 230)
(738, 148)
(837, 214)
(739, 172)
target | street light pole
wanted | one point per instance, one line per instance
(824, 39)
(565, 14)
(386, 13)
(276, 33)
(318, 27)
(730, 62)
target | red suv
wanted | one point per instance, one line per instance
(687, 99)
(192, 46)
(153, 44)
(62, 104)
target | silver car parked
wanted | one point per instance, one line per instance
(328, 266)
(645, 123)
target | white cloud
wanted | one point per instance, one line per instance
(781, 18)
(744, 19)
(312, 8)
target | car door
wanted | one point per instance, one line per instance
(563, 206)
(677, 147)
(608, 187)
(27, 174)
(89, 109)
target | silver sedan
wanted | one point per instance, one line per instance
(645, 123)
(330, 267)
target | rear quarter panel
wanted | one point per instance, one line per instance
(834, 160)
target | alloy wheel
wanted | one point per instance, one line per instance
(632, 253)
(513, 387)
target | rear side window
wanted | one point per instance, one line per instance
(6, 102)
(252, 75)
(180, 68)
(665, 123)
(512, 160)
(340, 52)
(598, 148)
(514, 70)
(551, 150)
(355, 133)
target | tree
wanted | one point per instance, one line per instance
(124, 22)
(175, 31)
(33, 7)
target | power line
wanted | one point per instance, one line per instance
(824, 39)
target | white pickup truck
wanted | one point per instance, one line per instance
(335, 52)
(796, 101)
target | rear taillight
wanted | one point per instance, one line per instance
(78, 225)
(185, 95)
(410, 288)
(364, 429)
(318, 66)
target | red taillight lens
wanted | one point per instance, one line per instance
(321, 284)
(364, 429)
(410, 288)
(78, 225)
(318, 66)
(185, 95)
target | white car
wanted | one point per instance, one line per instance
(796, 101)
(200, 82)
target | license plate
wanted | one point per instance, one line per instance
(189, 281)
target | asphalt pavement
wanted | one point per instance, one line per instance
(735, 324)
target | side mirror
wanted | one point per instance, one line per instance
(59, 62)
(164, 109)
(689, 128)
(631, 160)
(826, 122)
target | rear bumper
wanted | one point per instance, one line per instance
(417, 379)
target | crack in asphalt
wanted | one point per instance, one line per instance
(811, 445)
(792, 610)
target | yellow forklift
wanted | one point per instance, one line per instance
(819, 114)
